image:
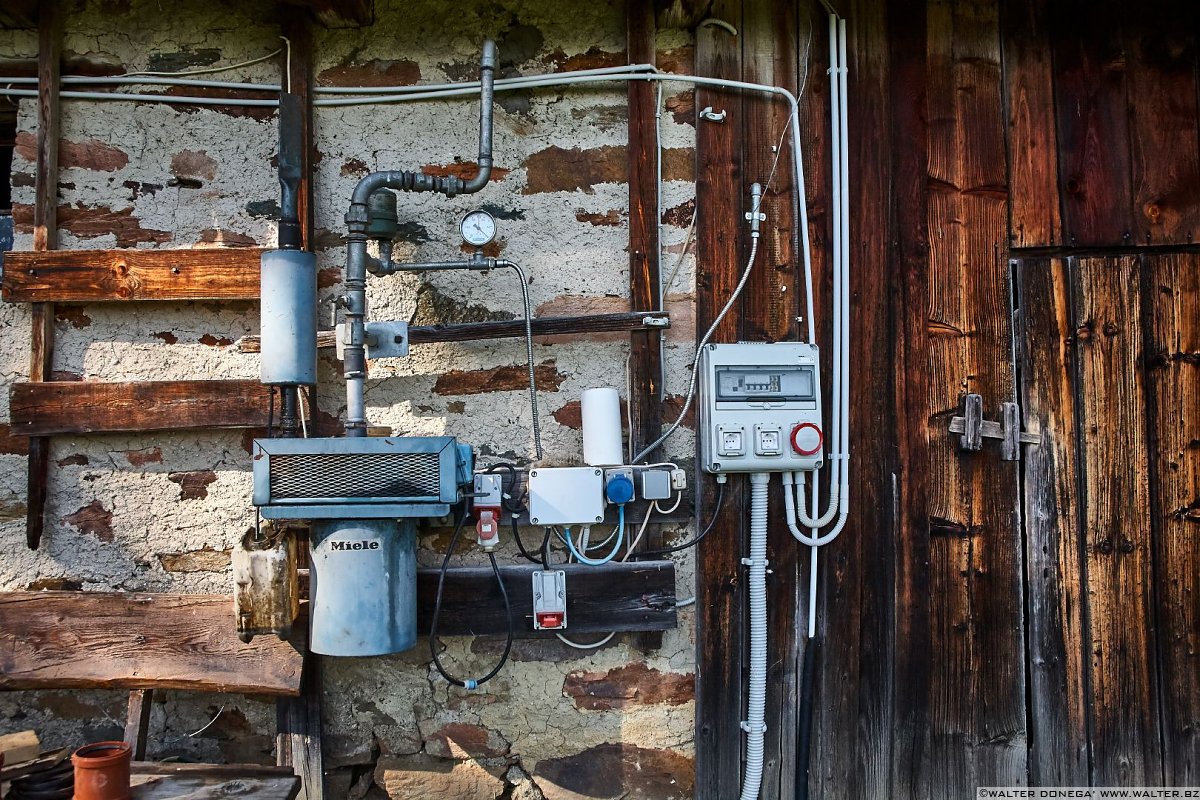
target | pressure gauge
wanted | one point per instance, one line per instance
(478, 228)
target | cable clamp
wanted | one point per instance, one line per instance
(839, 456)
(752, 562)
(748, 728)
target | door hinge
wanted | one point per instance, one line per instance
(974, 428)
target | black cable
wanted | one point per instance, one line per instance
(271, 413)
(804, 723)
(699, 537)
(545, 550)
(437, 612)
(513, 505)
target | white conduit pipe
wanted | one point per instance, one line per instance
(756, 705)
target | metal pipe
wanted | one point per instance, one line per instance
(359, 262)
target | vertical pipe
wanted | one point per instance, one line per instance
(757, 702)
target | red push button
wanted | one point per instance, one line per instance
(807, 439)
(549, 621)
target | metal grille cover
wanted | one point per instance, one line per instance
(370, 470)
(394, 476)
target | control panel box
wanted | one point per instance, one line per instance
(566, 495)
(760, 407)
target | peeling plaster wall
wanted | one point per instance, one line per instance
(160, 512)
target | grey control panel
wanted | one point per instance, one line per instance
(760, 407)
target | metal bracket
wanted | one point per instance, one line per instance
(656, 322)
(974, 428)
(712, 116)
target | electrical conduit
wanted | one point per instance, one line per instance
(754, 725)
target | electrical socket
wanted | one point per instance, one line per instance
(487, 491)
(678, 480)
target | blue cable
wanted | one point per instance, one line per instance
(597, 562)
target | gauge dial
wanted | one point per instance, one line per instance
(478, 228)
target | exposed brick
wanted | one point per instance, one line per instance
(147, 455)
(329, 276)
(91, 154)
(682, 107)
(634, 684)
(462, 169)
(193, 164)
(93, 518)
(672, 404)
(610, 218)
(594, 58)
(58, 584)
(459, 740)
(617, 770)
(355, 166)
(89, 222)
(680, 60)
(215, 341)
(11, 444)
(73, 460)
(65, 375)
(193, 485)
(559, 169)
(499, 379)
(681, 215)
(72, 314)
(425, 778)
(259, 113)
(206, 560)
(223, 238)
(377, 72)
(167, 336)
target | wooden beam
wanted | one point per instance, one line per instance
(626, 596)
(91, 640)
(339, 13)
(720, 583)
(89, 276)
(505, 329)
(45, 409)
(45, 237)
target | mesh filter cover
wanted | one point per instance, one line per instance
(378, 476)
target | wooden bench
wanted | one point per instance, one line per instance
(143, 642)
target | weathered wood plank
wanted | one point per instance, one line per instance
(200, 786)
(720, 583)
(83, 640)
(1173, 359)
(45, 237)
(973, 731)
(1058, 700)
(1092, 117)
(44, 409)
(86, 276)
(137, 721)
(1035, 219)
(628, 596)
(769, 54)
(1164, 123)
(1126, 746)
(855, 672)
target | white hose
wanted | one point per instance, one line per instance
(754, 725)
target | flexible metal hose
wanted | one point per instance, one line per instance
(533, 402)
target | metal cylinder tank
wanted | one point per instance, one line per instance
(288, 318)
(363, 587)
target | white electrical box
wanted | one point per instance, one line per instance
(760, 407)
(566, 495)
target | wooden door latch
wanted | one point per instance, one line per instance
(974, 428)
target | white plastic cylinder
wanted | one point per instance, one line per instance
(602, 428)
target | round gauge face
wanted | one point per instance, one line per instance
(478, 228)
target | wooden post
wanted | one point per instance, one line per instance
(45, 237)
(720, 584)
(645, 363)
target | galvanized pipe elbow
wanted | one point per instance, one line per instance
(487, 77)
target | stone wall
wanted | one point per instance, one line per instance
(160, 512)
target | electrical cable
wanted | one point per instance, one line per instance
(598, 562)
(437, 612)
(205, 70)
(514, 507)
(697, 539)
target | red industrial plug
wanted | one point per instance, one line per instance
(487, 528)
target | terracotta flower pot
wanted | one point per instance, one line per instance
(102, 771)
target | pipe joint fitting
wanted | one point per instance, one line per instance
(748, 728)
